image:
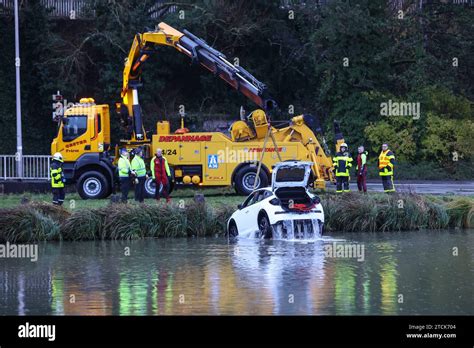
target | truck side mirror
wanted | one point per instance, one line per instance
(239, 206)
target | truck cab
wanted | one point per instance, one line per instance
(83, 138)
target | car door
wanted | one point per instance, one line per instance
(254, 208)
(241, 215)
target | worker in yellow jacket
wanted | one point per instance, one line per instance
(386, 164)
(124, 171)
(138, 168)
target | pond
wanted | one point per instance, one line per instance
(420, 272)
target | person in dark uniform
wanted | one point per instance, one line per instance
(124, 171)
(342, 163)
(139, 172)
(57, 179)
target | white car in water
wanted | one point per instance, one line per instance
(286, 209)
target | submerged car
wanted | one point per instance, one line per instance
(285, 210)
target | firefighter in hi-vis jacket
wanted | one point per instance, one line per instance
(386, 164)
(342, 163)
(57, 179)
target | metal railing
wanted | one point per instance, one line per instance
(71, 9)
(35, 167)
(81, 9)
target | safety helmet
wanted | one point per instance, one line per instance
(123, 151)
(344, 145)
(58, 157)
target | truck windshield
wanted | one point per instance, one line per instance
(74, 126)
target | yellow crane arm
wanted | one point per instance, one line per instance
(166, 36)
(200, 53)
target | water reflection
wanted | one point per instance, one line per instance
(211, 276)
(388, 275)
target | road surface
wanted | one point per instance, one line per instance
(430, 187)
(419, 186)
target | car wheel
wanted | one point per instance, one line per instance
(93, 185)
(264, 226)
(232, 230)
(244, 180)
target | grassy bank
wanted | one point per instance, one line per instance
(37, 221)
(214, 196)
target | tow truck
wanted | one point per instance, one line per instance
(196, 158)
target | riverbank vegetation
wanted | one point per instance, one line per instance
(39, 221)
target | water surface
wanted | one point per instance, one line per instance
(402, 273)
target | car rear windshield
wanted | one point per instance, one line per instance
(290, 174)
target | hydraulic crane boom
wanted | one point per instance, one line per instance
(200, 53)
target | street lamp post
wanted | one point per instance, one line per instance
(19, 143)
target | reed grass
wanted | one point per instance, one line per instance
(347, 213)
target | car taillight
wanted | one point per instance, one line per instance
(275, 201)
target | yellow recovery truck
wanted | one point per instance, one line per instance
(196, 158)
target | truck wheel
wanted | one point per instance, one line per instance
(245, 178)
(93, 185)
(150, 187)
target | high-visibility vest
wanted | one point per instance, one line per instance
(138, 165)
(363, 161)
(342, 163)
(152, 166)
(386, 162)
(56, 174)
(123, 167)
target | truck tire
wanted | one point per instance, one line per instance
(93, 185)
(150, 187)
(245, 177)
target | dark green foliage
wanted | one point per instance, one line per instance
(57, 213)
(461, 212)
(24, 225)
(119, 221)
(397, 212)
(84, 224)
